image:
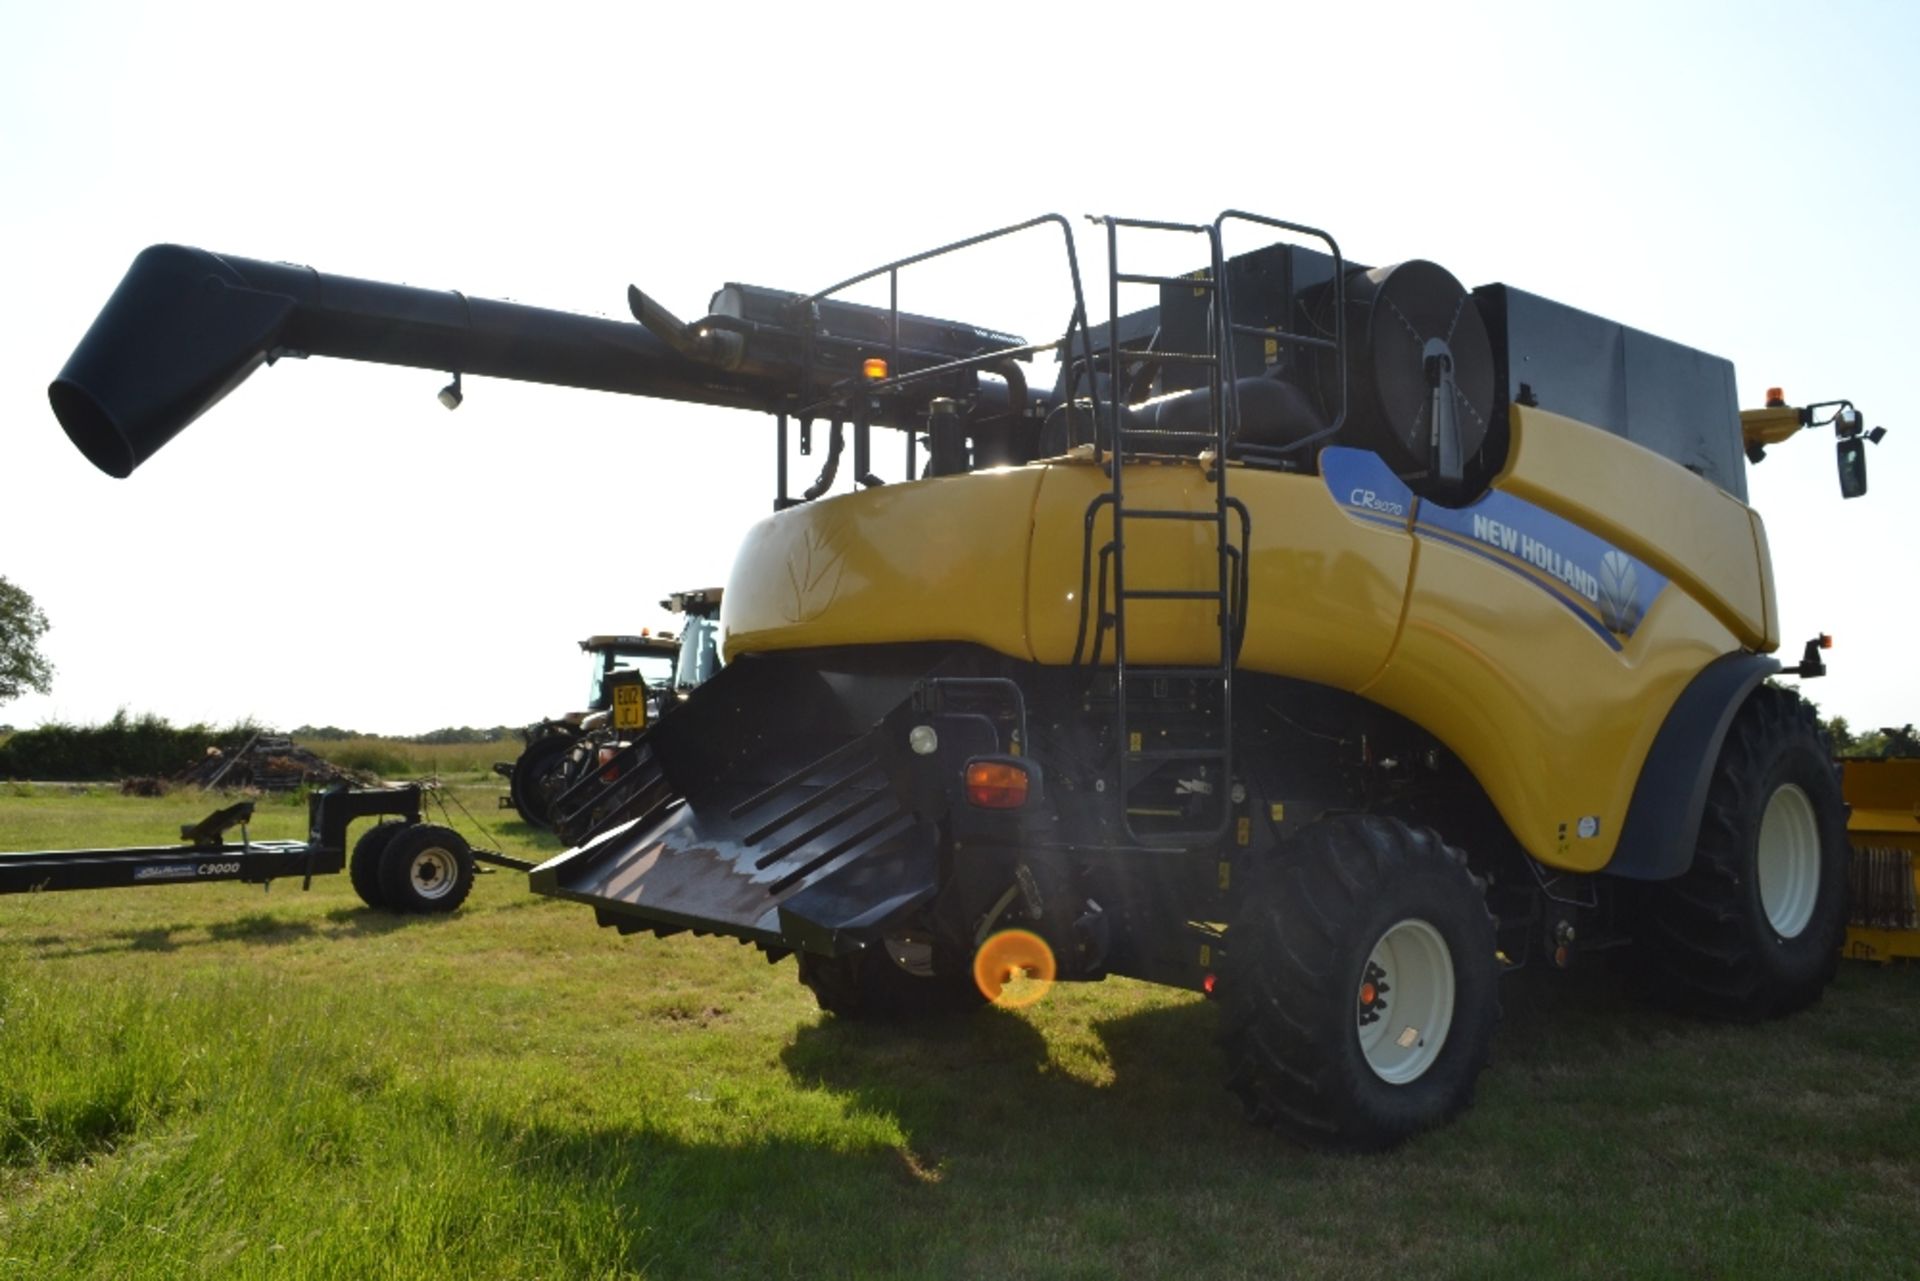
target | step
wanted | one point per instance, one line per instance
(1282, 335)
(1169, 593)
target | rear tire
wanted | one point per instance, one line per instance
(1359, 990)
(870, 986)
(526, 785)
(1752, 929)
(363, 868)
(428, 869)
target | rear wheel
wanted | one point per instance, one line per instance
(426, 868)
(1753, 928)
(1359, 991)
(363, 868)
(526, 785)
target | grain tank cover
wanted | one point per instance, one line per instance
(1674, 400)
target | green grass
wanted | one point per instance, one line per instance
(395, 758)
(211, 1081)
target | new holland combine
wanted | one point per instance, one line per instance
(1323, 638)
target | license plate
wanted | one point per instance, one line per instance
(630, 707)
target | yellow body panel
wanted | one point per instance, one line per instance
(1552, 722)
(1768, 426)
(1508, 660)
(942, 559)
(1325, 593)
(994, 558)
(1692, 531)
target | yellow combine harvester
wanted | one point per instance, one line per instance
(1885, 830)
(1323, 638)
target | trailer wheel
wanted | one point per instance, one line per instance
(870, 986)
(1753, 928)
(363, 867)
(526, 785)
(1359, 991)
(427, 868)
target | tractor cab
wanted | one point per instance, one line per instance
(655, 657)
(698, 657)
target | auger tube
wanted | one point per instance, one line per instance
(187, 326)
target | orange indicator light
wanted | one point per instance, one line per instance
(874, 367)
(996, 785)
(1014, 968)
(1776, 398)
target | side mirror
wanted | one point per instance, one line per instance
(1852, 455)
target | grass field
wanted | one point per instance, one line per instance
(212, 1081)
(395, 758)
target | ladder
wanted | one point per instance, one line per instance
(1202, 760)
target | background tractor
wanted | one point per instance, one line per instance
(668, 667)
(1324, 638)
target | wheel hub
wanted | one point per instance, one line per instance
(1402, 1037)
(1787, 862)
(434, 873)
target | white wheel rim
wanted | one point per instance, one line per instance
(1789, 861)
(1405, 1000)
(434, 872)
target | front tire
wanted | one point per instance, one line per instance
(1752, 929)
(1359, 991)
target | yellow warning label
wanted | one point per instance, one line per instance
(1206, 955)
(1243, 833)
(1226, 874)
(1277, 812)
(1133, 741)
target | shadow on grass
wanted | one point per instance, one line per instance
(369, 921)
(1163, 1085)
(261, 927)
(983, 1080)
(990, 1130)
(152, 938)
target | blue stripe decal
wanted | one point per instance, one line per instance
(1365, 487)
(1604, 587)
(1559, 593)
(1609, 590)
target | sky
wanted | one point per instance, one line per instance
(330, 546)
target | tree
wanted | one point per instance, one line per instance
(22, 624)
(1902, 742)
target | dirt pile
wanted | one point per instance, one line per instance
(270, 763)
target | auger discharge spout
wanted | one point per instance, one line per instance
(187, 326)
